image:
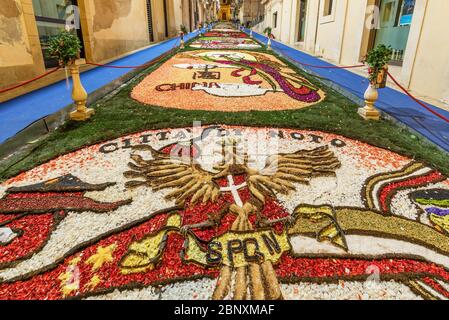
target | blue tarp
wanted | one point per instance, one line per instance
(394, 103)
(18, 113)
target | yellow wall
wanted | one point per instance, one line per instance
(175, 11)
(110, 28)
(113, 28)
(20, 50)
(158, 20)
(224, 10)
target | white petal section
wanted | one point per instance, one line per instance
(203, 289)
(368, 246)
(349, 291)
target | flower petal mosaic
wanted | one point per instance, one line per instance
(226, 74)
(226, 212)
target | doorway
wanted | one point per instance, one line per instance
(395, 20)
(150, 21)
(302, 20)
(165, 18)
(51, 18)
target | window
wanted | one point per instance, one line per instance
(396, 18)
(302, 20)
(387, 12)
(275, 20)
(150, 20)
(52, 9)
(328, 7)
(51, 19)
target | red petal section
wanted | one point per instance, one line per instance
(236, 73)
(171, 268)
(301, 90)
(331, 269)
(436, 286)
(36, 230)
(392, 188)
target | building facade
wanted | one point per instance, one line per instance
(108, 29)
(224, 14)
(343, 31)
(251, 12)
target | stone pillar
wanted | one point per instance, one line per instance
(369, 112)
(79, 94)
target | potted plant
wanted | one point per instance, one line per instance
(66, 48)
(268, 31)
(377, 60)
(183, 31)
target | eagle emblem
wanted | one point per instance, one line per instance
(190, 184)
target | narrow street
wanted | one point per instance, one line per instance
(223, 171)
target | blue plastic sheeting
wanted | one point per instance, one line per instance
(394, 103)
(18, 113)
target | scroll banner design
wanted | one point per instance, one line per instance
(239, 249)
(234, 249)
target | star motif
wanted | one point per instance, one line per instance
(103, 255)
(74, 261)
(69, 282)
(94, 282)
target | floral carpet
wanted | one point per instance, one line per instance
(207, 79)
(225, 39)
(226, 212)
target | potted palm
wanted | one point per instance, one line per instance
(183, 31)
(268, 31)
(66, 48)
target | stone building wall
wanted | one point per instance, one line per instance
(20, 50)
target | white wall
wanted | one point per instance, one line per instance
(429, 67)
(343, 38)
